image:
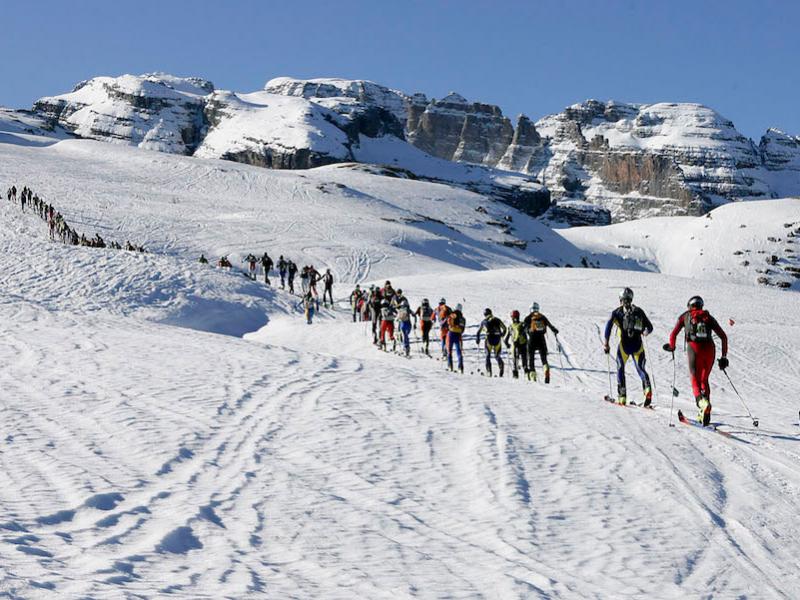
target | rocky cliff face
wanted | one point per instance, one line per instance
(599, 161)
(780, 155)
(154, 111)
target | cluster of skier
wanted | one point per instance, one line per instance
(58, 228)
(310, 279)
(393, 319)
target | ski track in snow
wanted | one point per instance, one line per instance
(144, 455)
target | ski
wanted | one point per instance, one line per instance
(683, 419)
(630, 404)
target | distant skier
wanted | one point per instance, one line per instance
(251, 261)
(456, 324)
(309, 304)
(313, 279)
(327, 292)
(442, 313)
(632, 325)
(304, 279)
(282, 266)
(291, 269)
(404, 317)
(536, 326)
(425, 314)
(518, 336)
(375, 313)
(388, 314)
(495, 330)
(266, 264)
(203, 260)
(699, 326)
(355, 301)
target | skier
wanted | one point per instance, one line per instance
(327, 279)
(388, 315)
(309, 305)
(375, 313)
(266, 264)
(442, 313)
(282, 265)
(251, 265)
(425, 315)
(355, 299)
(632, 325)
(304, 279)
(699, 325)
(536, 325)
(313, 278)
(519, 344)
(495, 330)
(203, 260)
(387, 292)
(404, 315)
(292, 271)
(456, 324)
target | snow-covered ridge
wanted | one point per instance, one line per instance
(629, 160)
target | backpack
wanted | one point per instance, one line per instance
(426, 313)
(518, 333)
(493, 327)
(455, 323)
(538, 324)
(402, 312)
(698, 326)
(632, 322)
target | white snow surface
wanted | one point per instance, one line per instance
(150, 449)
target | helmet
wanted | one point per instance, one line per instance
(384, 303)
(442, 301)
(458, 306)
(425, 301)
(626, 296)
(515, 314)
(535, 307)
(399, 292)
(487, 312)
(388, 283)
(695, 302)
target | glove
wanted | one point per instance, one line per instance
(606, 348)
(555, 331)
(508, 345)
(668, 348)
(477, 342)
(723, 363)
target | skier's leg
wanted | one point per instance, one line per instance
(488, 357)
(622, 358)
(691, 355)
(640, 362)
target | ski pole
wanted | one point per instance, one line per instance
(674, 392)
(752, 418)
(652, 371)
(560, 352)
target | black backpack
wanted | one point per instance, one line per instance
(698, 326)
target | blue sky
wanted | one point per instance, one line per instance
(535, 57)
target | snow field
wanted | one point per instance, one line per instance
(146, 454)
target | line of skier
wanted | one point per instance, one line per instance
(58, 228)
(393, 320)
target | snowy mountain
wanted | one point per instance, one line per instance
(175, 430)
(598, 161)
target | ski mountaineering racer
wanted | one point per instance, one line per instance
(425, 314)
(495, 330)
(456, 324)
(700, 349)
(536, 326)
(518, 344)
(632, 324)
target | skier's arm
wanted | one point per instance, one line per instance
(480, 330)
(723, 337)
(503, 328)
(550, 325)
(609, 326)
(648, 326)
(675, 331)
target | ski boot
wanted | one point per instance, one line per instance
(502, 368)
(531, 375)
(547, 373)
(622, 400)
(704, 408)
(648, 397)
(515, 374)
(461, 369)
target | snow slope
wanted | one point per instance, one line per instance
(735, 242)
(146, 455)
